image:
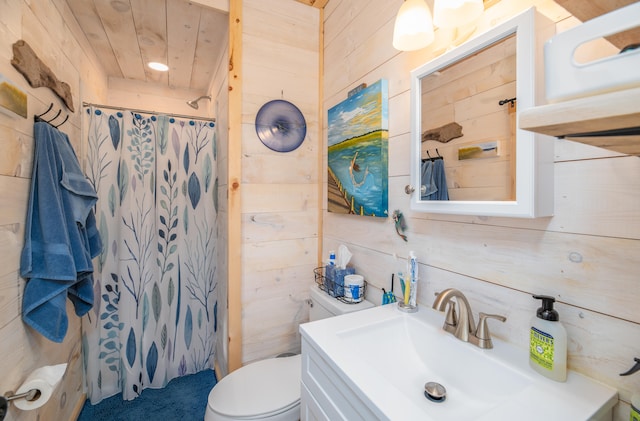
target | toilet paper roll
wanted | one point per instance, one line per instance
(45, 379)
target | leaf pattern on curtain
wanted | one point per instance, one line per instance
(194, 190)
(114, 131)
(155, 317)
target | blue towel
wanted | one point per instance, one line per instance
(440, 180)
(427, 180)
(61, 236)
(434, 179)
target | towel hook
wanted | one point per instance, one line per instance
(48, 109)
(56, 116)
(433, 158)
(63, 121)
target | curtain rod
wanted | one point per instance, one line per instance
(111, 107)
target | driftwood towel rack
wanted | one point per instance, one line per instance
(444, 133)
(38, 74)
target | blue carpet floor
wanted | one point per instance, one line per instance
(184, 399)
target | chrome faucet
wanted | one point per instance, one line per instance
(463, 326)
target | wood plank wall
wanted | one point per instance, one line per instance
(49, 28)
(279, 200)
(219, 91)
(127, 93)
(586, 255)
(234, 195)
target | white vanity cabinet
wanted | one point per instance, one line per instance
(326, 394)
(374, 364)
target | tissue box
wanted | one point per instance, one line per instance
(334, 278)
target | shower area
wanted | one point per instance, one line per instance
(156, 299)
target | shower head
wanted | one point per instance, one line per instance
(194, 102)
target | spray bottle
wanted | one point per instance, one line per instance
(635, 398)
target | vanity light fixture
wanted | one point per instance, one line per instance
(161, 67)
(455, 13)
(413, 29)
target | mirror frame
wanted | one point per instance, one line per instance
(534, 152)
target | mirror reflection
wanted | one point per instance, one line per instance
(468, 127)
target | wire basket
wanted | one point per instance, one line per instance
(335, 287)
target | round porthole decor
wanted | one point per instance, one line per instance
(280, 126)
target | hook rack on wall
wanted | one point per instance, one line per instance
(432, 158)
(40, 117)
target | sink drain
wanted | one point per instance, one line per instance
(435, 392)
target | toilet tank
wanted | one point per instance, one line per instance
(323, 305)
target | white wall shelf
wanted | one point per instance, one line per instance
(579, 119)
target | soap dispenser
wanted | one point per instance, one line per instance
(548, 342)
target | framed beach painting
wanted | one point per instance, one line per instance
(358, 153)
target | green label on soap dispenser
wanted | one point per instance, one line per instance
(541, 348)
(635, 414)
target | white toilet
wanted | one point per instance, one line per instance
(270, 389)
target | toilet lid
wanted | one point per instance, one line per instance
(260, 388)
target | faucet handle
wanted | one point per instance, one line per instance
(482, 333)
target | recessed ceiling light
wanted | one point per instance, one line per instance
(158, 66)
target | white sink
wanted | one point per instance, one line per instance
(386, 356)
(474, 383)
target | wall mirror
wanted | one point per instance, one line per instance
(468, 155)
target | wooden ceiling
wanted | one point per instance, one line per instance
(188, 36)
(587, 10)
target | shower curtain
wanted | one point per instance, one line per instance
(154, 316)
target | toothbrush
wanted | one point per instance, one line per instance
(413, 270)
(413, 266)
(407, 290)
(392, 296)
